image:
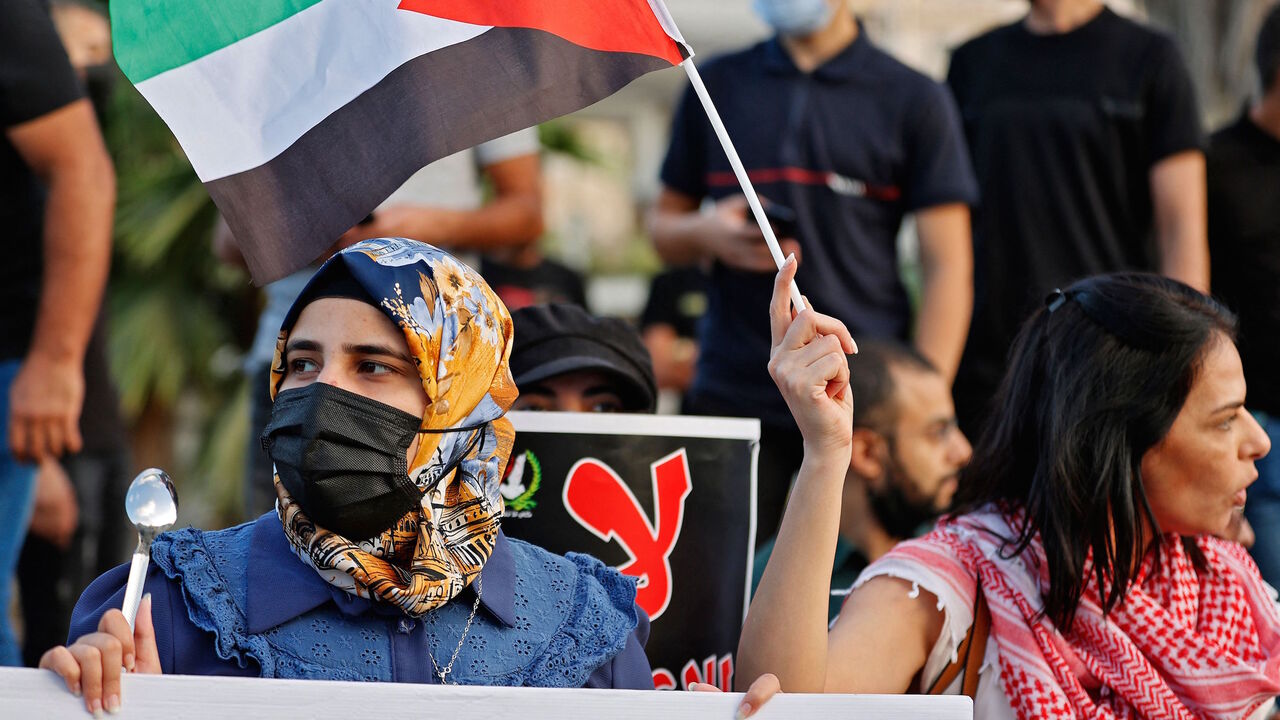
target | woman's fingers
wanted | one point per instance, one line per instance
(703, 687)
(810, 324)
(144, 639)
(835, 370)
(92, 666)
(114, 624)
(89, 655)
(780, 303)
(765, 687)
(61, 661)
(819, 347)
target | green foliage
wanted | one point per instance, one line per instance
(558, 136)
(173, 307)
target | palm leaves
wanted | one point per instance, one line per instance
(175, 313)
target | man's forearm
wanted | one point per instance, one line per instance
(1184, 253)
(946, 304)
(505, 222)
(77, 254)
(679, 231)
(678, 237)
(1178, 199)
(946, 301)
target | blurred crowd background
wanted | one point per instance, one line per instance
(172, 385)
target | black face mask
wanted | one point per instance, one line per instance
(342, 457)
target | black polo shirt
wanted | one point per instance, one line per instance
(851, 148)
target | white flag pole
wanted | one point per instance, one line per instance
(747, 189)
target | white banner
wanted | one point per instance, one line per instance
(26, 693)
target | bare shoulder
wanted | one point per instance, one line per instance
(882, 637)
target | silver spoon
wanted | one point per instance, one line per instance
(152, 504)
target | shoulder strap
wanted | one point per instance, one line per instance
(970, 653)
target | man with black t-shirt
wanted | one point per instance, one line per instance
(1086, 141)
(57, 194)
(1244, 240)
(850, 140)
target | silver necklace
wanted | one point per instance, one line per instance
(443, 674)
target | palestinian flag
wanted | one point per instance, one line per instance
(300, 116)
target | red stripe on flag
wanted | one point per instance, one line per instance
(608, 25)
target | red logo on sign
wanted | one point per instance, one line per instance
(601, 502)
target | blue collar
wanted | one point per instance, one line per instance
(273, 566)
(844, 66)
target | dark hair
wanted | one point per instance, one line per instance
(1095, 379)
(1267, 53)
(871, 383)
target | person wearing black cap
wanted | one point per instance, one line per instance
(565, 359)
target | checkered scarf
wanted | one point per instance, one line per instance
(1181, 644)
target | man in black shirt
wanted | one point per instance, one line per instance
(57, 194)
(1244, 241)
(1086, 141)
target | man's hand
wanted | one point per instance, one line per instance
(44, 408)
(56, 514)
(731, 235)
(424, 224)
(684, 235)
(91, 667)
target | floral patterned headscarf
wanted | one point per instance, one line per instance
(459, 334)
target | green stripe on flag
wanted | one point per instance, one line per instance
(152, 36)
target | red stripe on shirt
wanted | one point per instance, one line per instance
(802, 176)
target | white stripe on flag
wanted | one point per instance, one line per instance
(239, 107)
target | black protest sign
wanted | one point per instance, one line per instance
(667, 500)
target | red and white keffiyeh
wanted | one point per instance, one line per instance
(1180, 645)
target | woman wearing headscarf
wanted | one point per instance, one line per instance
(384, 559)
(1081, 575)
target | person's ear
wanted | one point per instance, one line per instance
(868, 457)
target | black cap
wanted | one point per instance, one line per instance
(551, 340)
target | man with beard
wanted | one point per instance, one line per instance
(907, 454)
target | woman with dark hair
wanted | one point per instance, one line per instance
(1081, 575)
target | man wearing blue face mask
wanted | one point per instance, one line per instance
(851, 141)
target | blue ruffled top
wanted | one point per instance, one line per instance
(239, 602)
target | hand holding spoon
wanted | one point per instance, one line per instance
(152, 504)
